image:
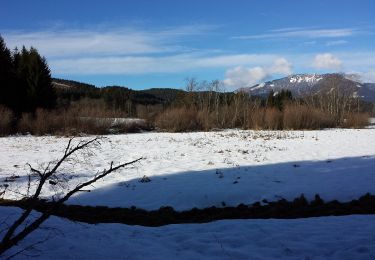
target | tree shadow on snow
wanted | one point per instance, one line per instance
(343, 179)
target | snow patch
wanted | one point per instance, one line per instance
(259, 86)
(305, 78)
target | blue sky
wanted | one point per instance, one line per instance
(159, 43)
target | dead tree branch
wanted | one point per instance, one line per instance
(11, 237)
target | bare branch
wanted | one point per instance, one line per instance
(11, 238)
(100, 176)
(35, 170)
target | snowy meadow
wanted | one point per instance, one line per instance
(200, 170)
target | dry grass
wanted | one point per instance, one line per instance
(255, 120)
(298, 116)
(264, 118)
(179, 120)
(90, 116)
(273, 119)
(67, 122)
(6, 120)
(356, 120)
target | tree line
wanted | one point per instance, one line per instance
(25, 80)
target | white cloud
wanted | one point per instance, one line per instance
(301, 33)
(334, 43)
(233, 60)
(115, 51)
(103, 41)
(327, 61)
(246, 77)
(155, 64)
(280, 66)
(127, 51)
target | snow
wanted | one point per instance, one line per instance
(116, 120)
(259, 86)
(61, 85)
(305, 78)
(207, 168)
(199, 170)
(347, 237)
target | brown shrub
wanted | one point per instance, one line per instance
(265, 118)
(6, 120)
(356, 120)
(297, 116)
(179, 120)
(94, 108)
(205, 120)
(59, 123)
(256, 119)
(25, 123)
(273, 119)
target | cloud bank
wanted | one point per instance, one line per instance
(327, 61)
(246, 77)
(301, 33)
(128, 51)
(103, 41)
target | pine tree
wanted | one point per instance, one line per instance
(34, 80)
(6, 74)
(270, 99)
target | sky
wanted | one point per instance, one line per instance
(160, 43)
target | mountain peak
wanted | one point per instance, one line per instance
(302, 84)
(307, 78)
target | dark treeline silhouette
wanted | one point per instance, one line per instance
(26, 82)
(279, 99)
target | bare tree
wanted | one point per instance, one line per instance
(25, 225)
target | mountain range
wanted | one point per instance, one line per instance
(298, 84)
(307, 84)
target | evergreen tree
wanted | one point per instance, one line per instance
(34, 80)
(279, 99)
(271, 99)
(6, 74)
(25, 80)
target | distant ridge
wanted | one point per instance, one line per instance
(304, 84)
(74, 90)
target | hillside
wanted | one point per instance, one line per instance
(73, 90)
(304, 84)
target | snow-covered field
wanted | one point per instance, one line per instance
(348, 237)
(207, 169)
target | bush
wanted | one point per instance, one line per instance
(356, 120)
(256, 119)
(273, 119)
(60, 123)
(179, 120)
(6, 121)
(297, 116)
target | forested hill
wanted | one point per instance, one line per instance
(69, 90)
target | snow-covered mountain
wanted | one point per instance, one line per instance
(305, 84)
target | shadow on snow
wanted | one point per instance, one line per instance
(343, 179)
